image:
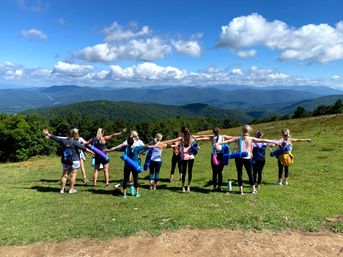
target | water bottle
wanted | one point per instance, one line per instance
(132, 190)
(93, 162)
(229, 186)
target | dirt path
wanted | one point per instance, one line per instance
(193, 242)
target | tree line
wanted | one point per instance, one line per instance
(301, 112)
(21, 134)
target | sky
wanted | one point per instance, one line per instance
(135, 43)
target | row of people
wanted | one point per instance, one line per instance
(183, 156)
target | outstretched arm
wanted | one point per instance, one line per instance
(301, 140)
(228, 141)
(109, 137)
(171, 141)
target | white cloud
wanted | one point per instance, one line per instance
(142, 50)
(336, 77)
(236, 71)
(34, 34)
(118, 33)
(321, 43)
(191, 47)
(73, 70)
(149, 74)
(138, 44)
(247, 54)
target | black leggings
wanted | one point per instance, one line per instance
(127, 172)
(248, 167)
(281, 167)
(258, 168)
(217, 171)
(175, 160)
(184, 170)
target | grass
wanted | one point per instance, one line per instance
(32, 209)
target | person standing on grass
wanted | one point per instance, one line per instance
(285, 141)
(83, 155)
(217, 164)
(100, 142)
(156, 162)
(175, 159)
(70, 158)
(245, 143)
(259, 159)
(187, 143)
(133, 153)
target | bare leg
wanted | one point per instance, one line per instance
(95, 176)
(106, 174)
(73, 175)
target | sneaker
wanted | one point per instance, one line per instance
(188, 189)
(219, 189)
(171, 178)
(285, 182)
(62, 191)
(107, 185)
(278, 183)
(124, 196)
(254, 192)
(183, 190)
(117, 185)
(85, 180)
(72, 191)
(138, 195)
(214, 190)
(241, 190)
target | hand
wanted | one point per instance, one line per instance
(46, 133)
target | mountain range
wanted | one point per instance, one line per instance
(256, 102)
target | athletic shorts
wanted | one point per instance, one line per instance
(69, 167)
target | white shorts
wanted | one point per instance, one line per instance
(69, 167)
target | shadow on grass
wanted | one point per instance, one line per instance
(45, 189)
(111, 191)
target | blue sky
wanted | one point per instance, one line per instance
(180, 42)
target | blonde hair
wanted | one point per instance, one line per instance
(134, 133)
(286, 132)
(246, 129)
(158, 137)
(99, 133)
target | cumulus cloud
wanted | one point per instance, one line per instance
(247, 54)
(191, 47)
(10, 71)
(34, 34)
(142, 50)
(149, 73)
(73, 70)
(139, 44)
(118, 33)
(336, 78)
(320, 43)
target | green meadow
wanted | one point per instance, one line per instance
(32, 210)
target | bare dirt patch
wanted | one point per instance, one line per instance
(193, 242)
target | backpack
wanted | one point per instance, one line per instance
(68, 153)
(286, 159)
(194, 148)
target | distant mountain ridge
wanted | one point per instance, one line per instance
(139, 111)
(242, 98)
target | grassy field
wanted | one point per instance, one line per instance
(33, 210)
